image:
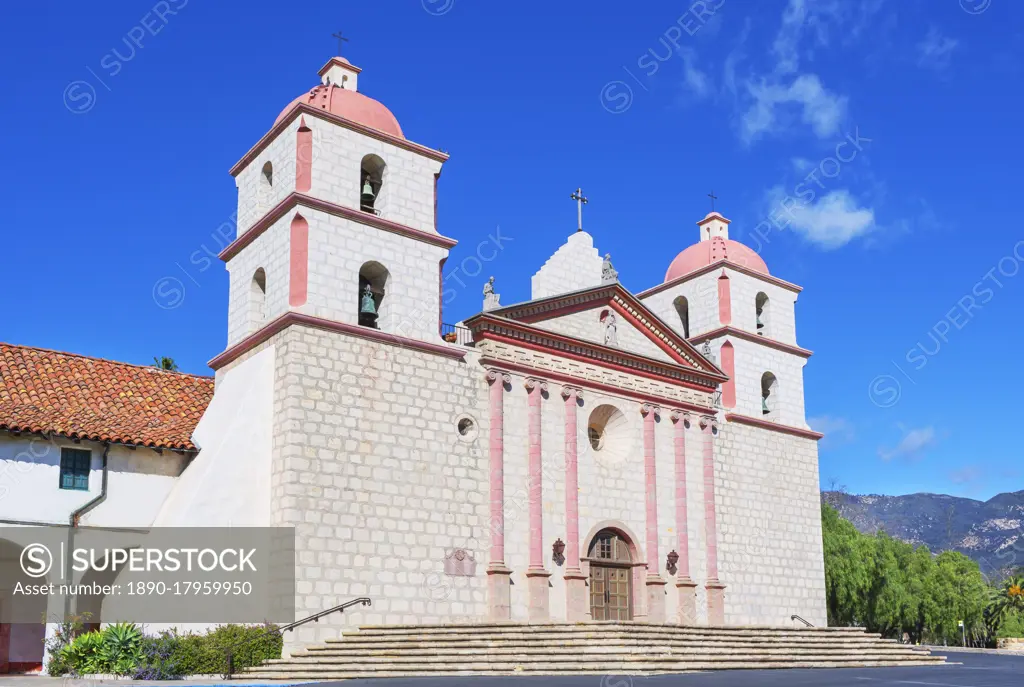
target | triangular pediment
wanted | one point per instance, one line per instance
(586, 315)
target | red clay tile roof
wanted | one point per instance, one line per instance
(102, 400)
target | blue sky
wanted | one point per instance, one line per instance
(115, 171)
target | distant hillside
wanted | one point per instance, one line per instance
(990, 531)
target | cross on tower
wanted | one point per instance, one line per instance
(713, 198)
(581, 200)
(341, 39)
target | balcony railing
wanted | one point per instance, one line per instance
(453, 333)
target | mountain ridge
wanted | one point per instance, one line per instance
(990, 532)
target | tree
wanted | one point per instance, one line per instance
(956, 592)
(1009, 599)
(165, 363)
(846, 568)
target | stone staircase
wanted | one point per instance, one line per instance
(597, 648)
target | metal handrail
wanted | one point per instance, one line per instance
(796, 617)
(229, 653)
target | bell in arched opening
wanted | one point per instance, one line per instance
(367, 308)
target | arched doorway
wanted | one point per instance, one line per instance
(611, 577)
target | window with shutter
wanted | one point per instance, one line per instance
(74, 468)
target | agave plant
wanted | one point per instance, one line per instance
(122, 648)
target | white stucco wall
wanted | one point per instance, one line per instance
(228, 482)
(138, 481)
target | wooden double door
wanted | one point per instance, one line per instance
(611, 577)
(610, 589)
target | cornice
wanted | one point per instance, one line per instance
(753, 338)
(296, 199)
(294, 318)
(305, 108)
(773, 426)
(486, 324)
(716, 265)
(579, 384)
(626, 305)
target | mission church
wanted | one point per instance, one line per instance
(590, 454)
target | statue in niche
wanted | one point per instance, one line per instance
(611, 337)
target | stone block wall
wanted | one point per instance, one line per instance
(781, 320)
(255, 196)
(338, 247)
(769, 518)
(407, 193)
(575, 265)
(270, 250)
(369, 467)
(701, 292)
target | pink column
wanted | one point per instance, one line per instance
(537, 576)
(575, 581)
(655, 583)
(687, 587)
(498, 581)
(715, 589)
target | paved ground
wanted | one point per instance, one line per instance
(977, 670)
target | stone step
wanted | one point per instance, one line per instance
(541, 627)
(591, 634)
(633, 651)
(554, 657)
(553, 631)
(620, 668)
(596, 642)
(587, 637)
(583, 649)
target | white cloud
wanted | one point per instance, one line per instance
(935, 50)
(819, 108)
(693, 78)
(837, 430)
(913, 443)
(831, 221)
(971, 473)
(801, 17)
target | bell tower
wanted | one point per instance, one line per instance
(337, 218)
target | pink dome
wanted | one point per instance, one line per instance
(707, 252)
(351, 105)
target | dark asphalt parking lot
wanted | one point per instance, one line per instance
(976, 670)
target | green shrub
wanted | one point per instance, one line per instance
(205, 654)
(123, 650)
(84, 655)
(1011, 626)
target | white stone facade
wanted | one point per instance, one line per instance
(575, 265)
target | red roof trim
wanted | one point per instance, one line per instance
(295, 199)
(558, 305)
(289, 318)
(305, 108)
(604, 356)
(753, 338)
(773, 426)
(714, 265)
